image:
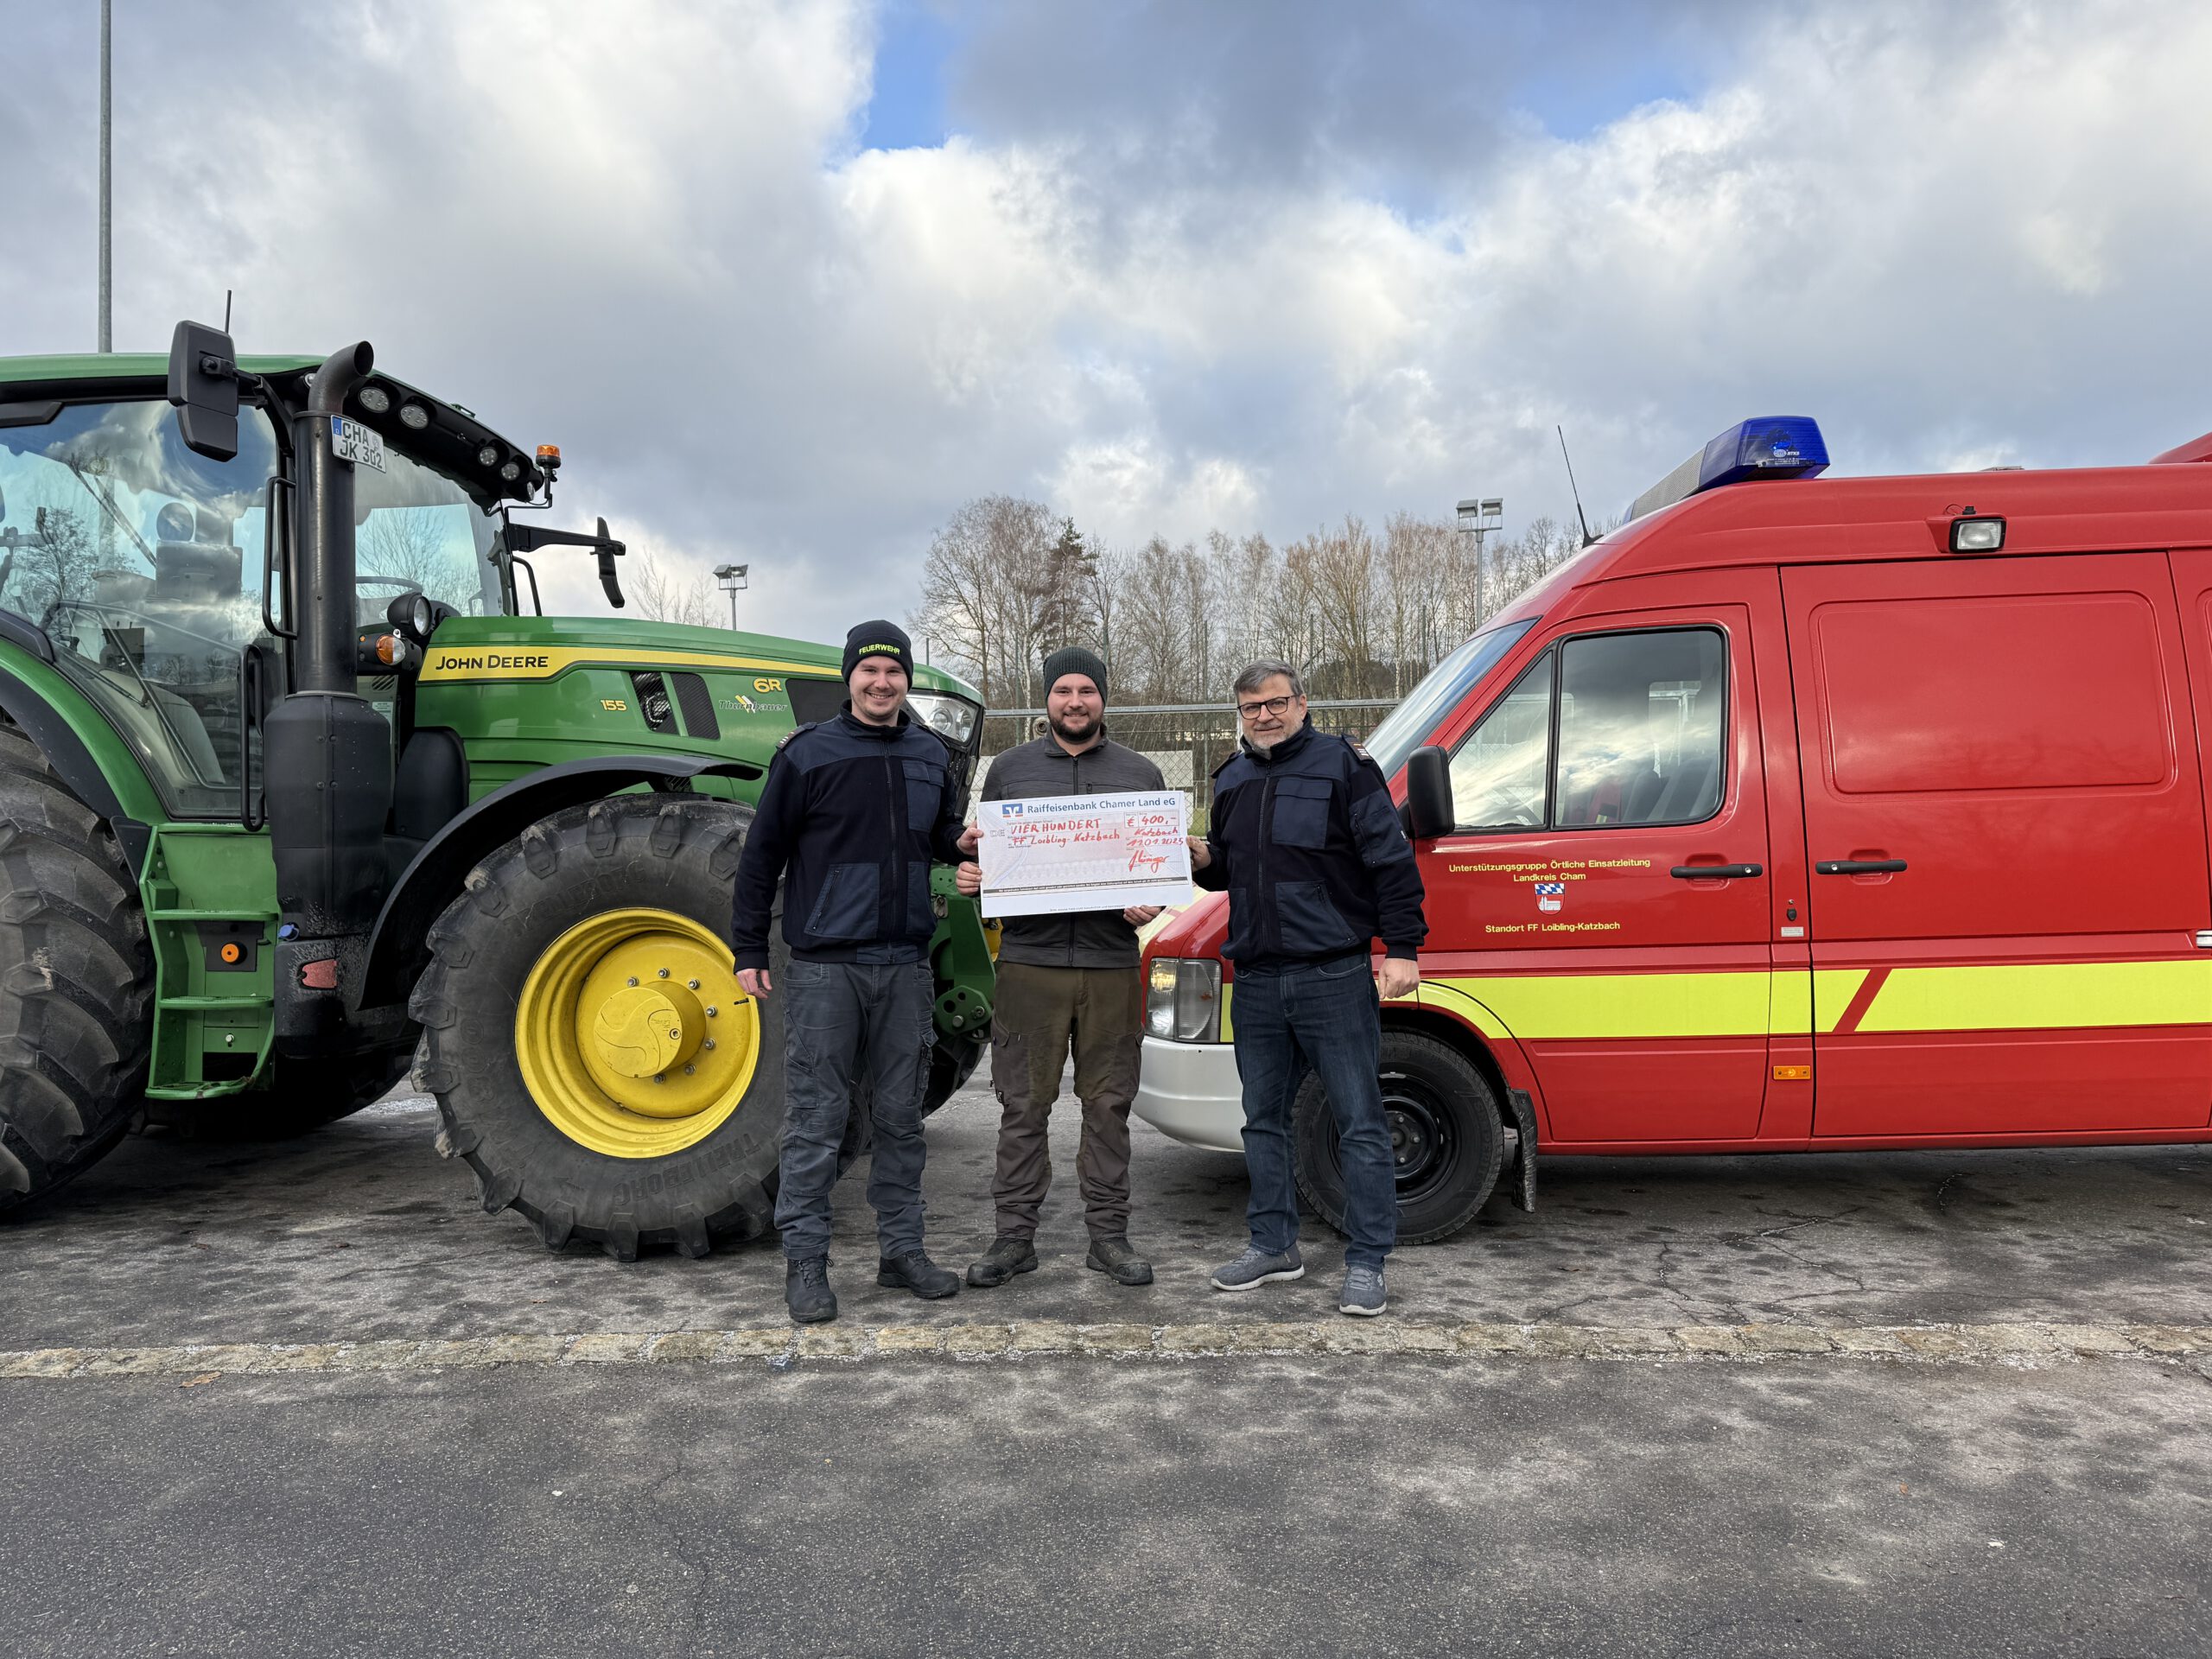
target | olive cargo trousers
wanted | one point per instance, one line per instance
(1038, 1015)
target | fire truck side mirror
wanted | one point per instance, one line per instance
(1428, 794)
(204, 386)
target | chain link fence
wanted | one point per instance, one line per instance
(1185, 740)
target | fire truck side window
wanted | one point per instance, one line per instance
(1640, 729)
(1640, 735)
(1498, 773)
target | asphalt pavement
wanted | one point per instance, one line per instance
(308, 1398)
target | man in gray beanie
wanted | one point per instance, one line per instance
(1065, 982)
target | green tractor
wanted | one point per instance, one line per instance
(295, 775)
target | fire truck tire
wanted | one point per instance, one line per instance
(527, 964)
(77, 987)
(1445, 1135)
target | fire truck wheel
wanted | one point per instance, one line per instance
(76, 980)
(1445, 1136)
(593, 1056)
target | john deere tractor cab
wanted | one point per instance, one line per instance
(294, 774)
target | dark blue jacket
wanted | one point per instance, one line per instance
(856, 814)
(1316, 864)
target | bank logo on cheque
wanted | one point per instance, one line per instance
(1550, 894)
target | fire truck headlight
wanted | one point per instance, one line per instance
(1183, 1000)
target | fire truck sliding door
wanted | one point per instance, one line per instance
(2005, 815)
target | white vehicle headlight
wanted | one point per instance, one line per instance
(1183, 1000)
(951, 718)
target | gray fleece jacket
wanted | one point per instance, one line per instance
(1088, 938)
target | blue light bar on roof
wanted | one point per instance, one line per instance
(1775, 446)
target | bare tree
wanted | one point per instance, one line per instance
(989, 592)
(669, 595)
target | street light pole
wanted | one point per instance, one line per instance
(1478, 516)
(733, 578)
(107, 189)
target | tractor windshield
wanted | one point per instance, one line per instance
(141, 562)
(419, 528)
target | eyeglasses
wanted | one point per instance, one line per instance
(1272, 706)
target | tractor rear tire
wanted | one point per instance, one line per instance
(524, 906)
(77, 989)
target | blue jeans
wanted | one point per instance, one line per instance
(1323, 1017)
(845, 1022)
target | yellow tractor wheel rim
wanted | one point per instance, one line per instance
(632, 1035)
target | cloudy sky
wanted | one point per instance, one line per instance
(788, 282)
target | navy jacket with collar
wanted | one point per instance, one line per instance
(856, 814)
(1304, 840)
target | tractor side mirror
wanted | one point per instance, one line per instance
(204, 386)
(608, 552)
(1429, 811)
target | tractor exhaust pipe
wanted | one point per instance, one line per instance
(327, 754)
(324, 568)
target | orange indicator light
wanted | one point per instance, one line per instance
(230, 953)
(1793, 1074)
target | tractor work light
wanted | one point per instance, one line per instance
(488, 455)
(1183, 1000)
(951, 718)
(413, 417)
(510, 472)
(376, 399)
(1773, 446)
(1972, 534)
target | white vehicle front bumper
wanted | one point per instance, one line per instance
(1190, 1092)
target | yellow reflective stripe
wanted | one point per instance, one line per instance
(1789, 1003)
(543, 662)
(2042, 995)
(1452, 996)
(1228, 1029)
(1552, 1006)
(1833, 989)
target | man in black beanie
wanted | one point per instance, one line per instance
(1065, 981)
(853, 813)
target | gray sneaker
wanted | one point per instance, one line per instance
(1255, 1268)
(1363, 1292)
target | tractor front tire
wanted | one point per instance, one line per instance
(77, 987)
(592, 1055)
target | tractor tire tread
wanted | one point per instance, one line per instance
(76, 1001)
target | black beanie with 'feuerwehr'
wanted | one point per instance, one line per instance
(879, 638)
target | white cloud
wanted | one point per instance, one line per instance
(645, 233)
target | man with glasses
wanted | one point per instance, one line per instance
(1306, 841)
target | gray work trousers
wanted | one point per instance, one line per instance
(848, 1023)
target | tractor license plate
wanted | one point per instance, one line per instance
(350, 441)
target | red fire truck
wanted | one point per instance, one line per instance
(1797, 813)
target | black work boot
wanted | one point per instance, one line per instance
(1006, 1256)
(806, 1290)
(1116, 1257)
(914, 1271)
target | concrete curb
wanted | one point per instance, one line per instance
(780, 1347)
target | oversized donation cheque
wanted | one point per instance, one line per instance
(1084, 852)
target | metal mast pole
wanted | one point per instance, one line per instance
(107, 176)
